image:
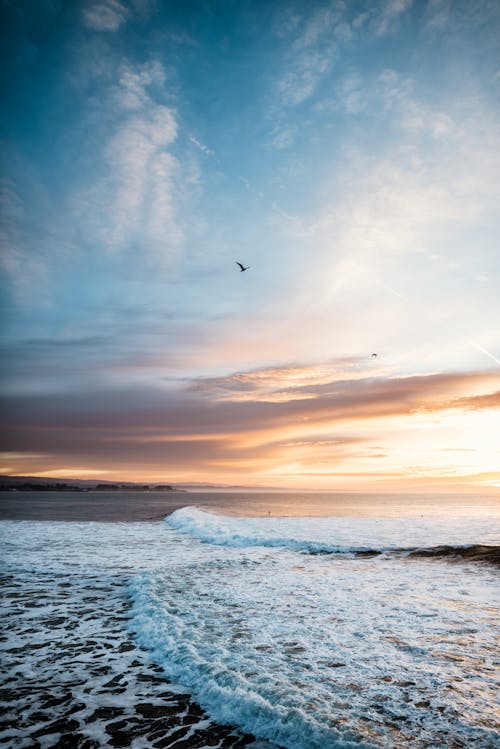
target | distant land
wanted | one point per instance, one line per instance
(49, 483)
(42, 484)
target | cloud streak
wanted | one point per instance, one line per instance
(105, 15)
(326, 421)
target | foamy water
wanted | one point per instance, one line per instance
(279, 627)
(309, 650)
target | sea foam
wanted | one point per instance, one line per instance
(332, 534)
(313, 650)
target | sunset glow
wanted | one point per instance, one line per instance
(348, 153)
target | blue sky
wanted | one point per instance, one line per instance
(347, 151)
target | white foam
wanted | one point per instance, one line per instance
(303, 650)
(332, 534)
(314, 651)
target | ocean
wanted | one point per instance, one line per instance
(306, 621)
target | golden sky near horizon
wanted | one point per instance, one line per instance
(342, 425)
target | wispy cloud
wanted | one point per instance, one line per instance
(133, 202)
(105, 15)
(317, 39)
(27, 232)
(426, 187)
(111, 15)
(437, 14)
(282, 384)
(301, 79)
(388, 15)
(201, 146)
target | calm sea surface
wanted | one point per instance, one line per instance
(289, 620)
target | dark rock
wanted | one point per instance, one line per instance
(58, 726)
(170, 740)
(148, 710)
(114, 682)
(121, 738)
(116, 727)
(106, 713)
(125, 647)
(51, 701)
(69, 741)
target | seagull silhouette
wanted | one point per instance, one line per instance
(242, 267)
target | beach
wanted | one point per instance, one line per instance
(225, 621)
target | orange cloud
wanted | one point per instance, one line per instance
(334, 422)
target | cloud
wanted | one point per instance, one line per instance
(317, 40)
(352, 94)
(319, 24)
(380, 425)
(385, 210)
(193, 411)
(115, 183)
(437, 14)
(407, 111)
(134, 82)
(283, 136)
(133, 203)
(111, 15)
(105, 15)
(302, 78)
(489, 400)
(23, 257)
(281, 384)
(141, 179)
(201, 146)
(310, 56)
(388, 15)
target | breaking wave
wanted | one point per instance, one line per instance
(285, 628)
(339, 536)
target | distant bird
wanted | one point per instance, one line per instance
(374, 356)
(242, 267)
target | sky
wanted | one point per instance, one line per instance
(348, 152)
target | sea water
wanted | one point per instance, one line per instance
(305, 632)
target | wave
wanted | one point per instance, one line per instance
(216, 676)
(328, 536)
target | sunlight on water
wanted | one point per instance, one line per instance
(278, 504)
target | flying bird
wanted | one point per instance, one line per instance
(374, 356)
(242, 267)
